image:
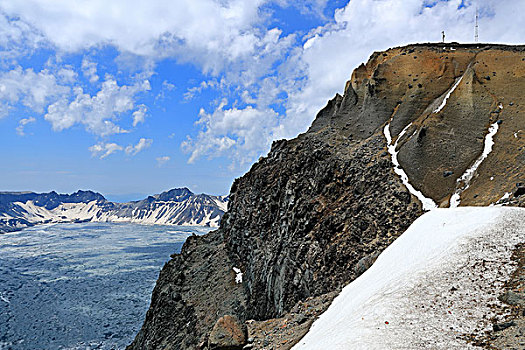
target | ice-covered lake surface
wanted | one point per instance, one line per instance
(81, 286)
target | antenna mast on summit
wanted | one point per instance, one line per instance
(476, 31)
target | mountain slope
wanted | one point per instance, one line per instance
(316, 212)
(174, 207)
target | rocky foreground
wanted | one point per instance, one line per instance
(432, 125)
(175, 207)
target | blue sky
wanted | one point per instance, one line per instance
(130, 97)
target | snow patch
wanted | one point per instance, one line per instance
(221, 203)
(238, 275)
(504, 197)
(464, 181)
(428, 203)
(435, 283)
(444, 102)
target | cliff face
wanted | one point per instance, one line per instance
(175, 207)
(414, 124)
(329, 206)
(447, 97)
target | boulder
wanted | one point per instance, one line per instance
(228, 333)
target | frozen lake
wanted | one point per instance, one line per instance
(81, 286)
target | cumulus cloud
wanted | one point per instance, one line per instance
(22, 123)
(50, 93)
(246, 130)
(99, 112)
(165, 88)
(192, 91)
(13, 32)
(90, 70)
(222, 38)
(140, 146)
(67, 75)
(34, 90)
(102, 150)
(161, 161)
(206, 30)
(139, 115)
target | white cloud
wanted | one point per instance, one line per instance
(217, 36)
(99, 112)
(90, 70)
(223, 38)
(35, 90)
(145, 27)
(102, 150)
(166, 87)
(67, 75)
(140, 146)
(238, 133)
(22, 123)
(14, 32)
(191, 92)
(50, 91)
(139, 115)
(161, 161)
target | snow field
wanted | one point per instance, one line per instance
(438, 282)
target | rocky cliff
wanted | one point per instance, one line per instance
(175, 207)
(418, 127)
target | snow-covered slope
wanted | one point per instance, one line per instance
(437, 282)
(174, 207)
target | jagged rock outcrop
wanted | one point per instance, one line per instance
(328, 205)
(174, 207)
(312, 215)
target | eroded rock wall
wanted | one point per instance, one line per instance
(302, 218)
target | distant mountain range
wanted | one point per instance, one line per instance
(178, 206)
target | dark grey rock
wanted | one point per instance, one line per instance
(502, 326)
(513, 298)
(520, 189)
